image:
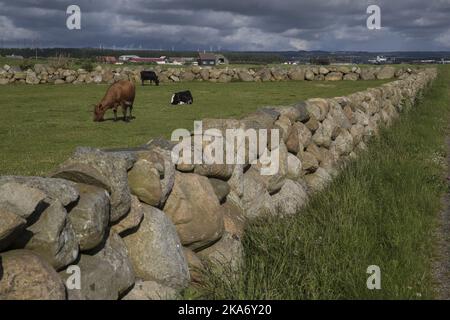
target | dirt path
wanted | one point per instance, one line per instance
(442, 263)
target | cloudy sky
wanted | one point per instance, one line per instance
(229, 24)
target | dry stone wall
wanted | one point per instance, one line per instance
(137, 226)
(42, 74)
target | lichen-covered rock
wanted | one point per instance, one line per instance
(256, 200)
(294, 167)
(101, 169)
(291, 198)
(196, 267)
(144, 182)
(226, 255)
(318, 180)
(160, 155)
(132, 220)
(309, 162)
(26, 276)
(195, 210)
(105, 274)
(90, 217)
(51, 236)
(56, 189)
(10, 225)
(21, 200)
(299, 138)
(156, 252)
(151, 290)
(333, 76)
(318, 108)
(344, 143)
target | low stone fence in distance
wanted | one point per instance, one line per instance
(43, 74)
(130, 224)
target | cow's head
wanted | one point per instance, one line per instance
(157, 81)
(99, 112)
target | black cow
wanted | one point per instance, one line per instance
(184, 97)
(149, 76)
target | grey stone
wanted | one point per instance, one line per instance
(156, 252)
(56, 189)
(26, 276)
(132, 220)
(151, 290)
(51, 236)
(101, 169)
(90, 217)
(20, 199)
(10, 225)
(195, 210)
(105, 274)
(291, 198)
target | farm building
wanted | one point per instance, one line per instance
(211, 59)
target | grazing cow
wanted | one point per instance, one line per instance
(122, 94)
(184, 97)
(150, 76)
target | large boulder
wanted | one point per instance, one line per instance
(291, 198)
(324, 134)
(56, 189)
(10, 225)
(318, 180)
(156, 252)
(318, 108)
(26, 276)
(144, 182)
(51, 236)
(105, 274)
(385, 73)
(333, 76)
(195, 210)
(104, 170)
(299, 138)
(132, 220)
(196, 267)
(256, 200)
(245, 76)
(21, 200)
(151, 290)
(367, 74)
(226, 255)
(294, 167)
(90, 217)
(343, 143)
(297, 74)
(161, 156)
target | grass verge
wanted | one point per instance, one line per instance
(381, 210)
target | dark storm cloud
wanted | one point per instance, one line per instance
(230, 24)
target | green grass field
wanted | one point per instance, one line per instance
(41, 125)
(381, 210)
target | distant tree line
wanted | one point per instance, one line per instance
(90, 53)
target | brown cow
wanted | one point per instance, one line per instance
(122, 94)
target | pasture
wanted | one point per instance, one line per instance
(41, 125)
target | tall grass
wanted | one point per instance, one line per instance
(381, 210)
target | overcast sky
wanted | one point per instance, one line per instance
(268, 25)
